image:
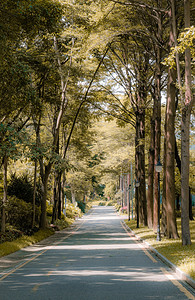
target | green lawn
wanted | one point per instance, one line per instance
(181, 256)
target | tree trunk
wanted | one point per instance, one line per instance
(43, 219)
(170, 156)
(150, 196)
(164, 214)
(59, 195)
(55, 201)
(157, 105)
(185, 134)
(73, 196)
(34, 194)
(186, 240)
(3, 216)
(141, 168)
(137, 174)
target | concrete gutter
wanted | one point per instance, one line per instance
(181, 275)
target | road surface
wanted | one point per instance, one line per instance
(96, 259)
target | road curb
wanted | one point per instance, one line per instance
(181, 275)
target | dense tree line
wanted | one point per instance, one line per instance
(66, 63)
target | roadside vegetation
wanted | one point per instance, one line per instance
(181, 256)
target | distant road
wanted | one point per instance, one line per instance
(96, 259)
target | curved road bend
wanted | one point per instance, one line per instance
(95, 259)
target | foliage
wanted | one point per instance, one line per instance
(10, 234)
(72, 211)
(82, 206)
(21, 187)
(11, 138)
(24, 241)
(185, 40)
(19, 214)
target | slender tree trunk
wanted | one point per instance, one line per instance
(3, 216)
(141, 167)
(43, 219)
(150, 197)
(137, 173)
(59, 195)
(55, 201)
(164, 213)
(157, 105)
(73, 196)
(34, 193)
(143, 207)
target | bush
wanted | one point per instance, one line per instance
(22, 188)
(10, 234)
(72, 212)
(102, 203)
(19, 214)
(82, 206)
(49, 210)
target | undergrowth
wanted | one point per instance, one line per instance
(181, 256)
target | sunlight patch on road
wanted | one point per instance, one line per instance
(114, 275)
(89, 246)
(103, 218)
(92, 247)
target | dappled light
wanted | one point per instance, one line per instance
(94, 256)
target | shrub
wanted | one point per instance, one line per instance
(49, 210)
(102, 203)
(10, 234)
(72, 212)
(82, 206)
(22, 188)
(19, 214)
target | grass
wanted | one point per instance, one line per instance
(24, 241)
(181, 256)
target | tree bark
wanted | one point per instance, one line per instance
(34, 194)
(170, 156)
(164, 214)
(157, 111)
(185, 135)
(141, 166)
(151, 175)
(3, 208)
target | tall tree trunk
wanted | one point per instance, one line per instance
(45, 177)
(150, 197)
(3, 216)
(59, 194)
(137, 172)
(141, 167)
(185, 133)
(55, 200)
(157, 106)
(34, 193)
(164, 213)
(170, 156)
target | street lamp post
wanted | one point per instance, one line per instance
(158, 168)
(137, 184)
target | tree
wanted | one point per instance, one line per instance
(185, 130)
(187, 103)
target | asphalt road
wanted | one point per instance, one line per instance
(95, 259)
